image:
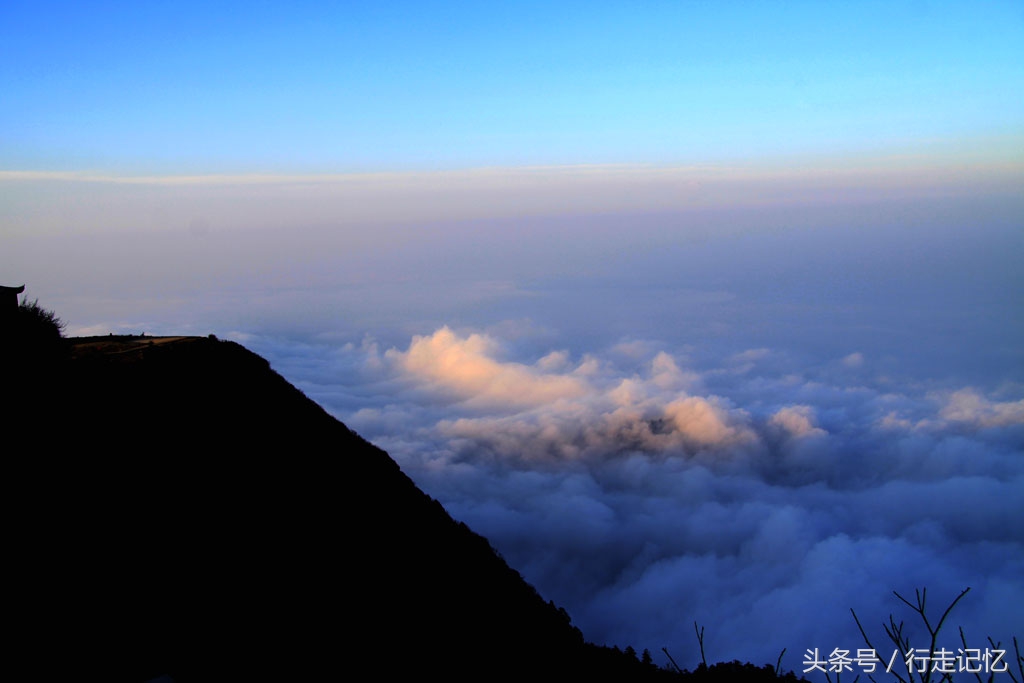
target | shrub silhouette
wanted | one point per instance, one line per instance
(35, 324)
(33, 361)
(31, 326)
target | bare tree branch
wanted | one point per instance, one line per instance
(700, 641)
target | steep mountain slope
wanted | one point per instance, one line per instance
(179, 508)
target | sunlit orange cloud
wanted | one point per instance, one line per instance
(573, 412)
(706, 423)
(464, 367)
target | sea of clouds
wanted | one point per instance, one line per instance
(757, 498)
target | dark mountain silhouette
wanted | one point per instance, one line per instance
(181, 509)
(177, 508)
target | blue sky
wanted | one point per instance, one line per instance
(654, 295)
(324, 87)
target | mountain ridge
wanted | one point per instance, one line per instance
(208, 521)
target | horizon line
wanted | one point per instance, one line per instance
(887, 164)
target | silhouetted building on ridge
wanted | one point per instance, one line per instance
(9, 304)
(9, 298)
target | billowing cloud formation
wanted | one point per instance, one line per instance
(796, 421)
(465, 368)
(642, 492)
(967, 406)
(563, 410)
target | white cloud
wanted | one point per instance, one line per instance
(666, 374)
(797, 421)
(968, 406)
(854, 360)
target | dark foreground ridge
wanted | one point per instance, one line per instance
(180, 509)
(183, 510)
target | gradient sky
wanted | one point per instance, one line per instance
(190, 87)
(697, 310)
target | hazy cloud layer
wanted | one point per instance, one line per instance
(71, 203)
(643, 494)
